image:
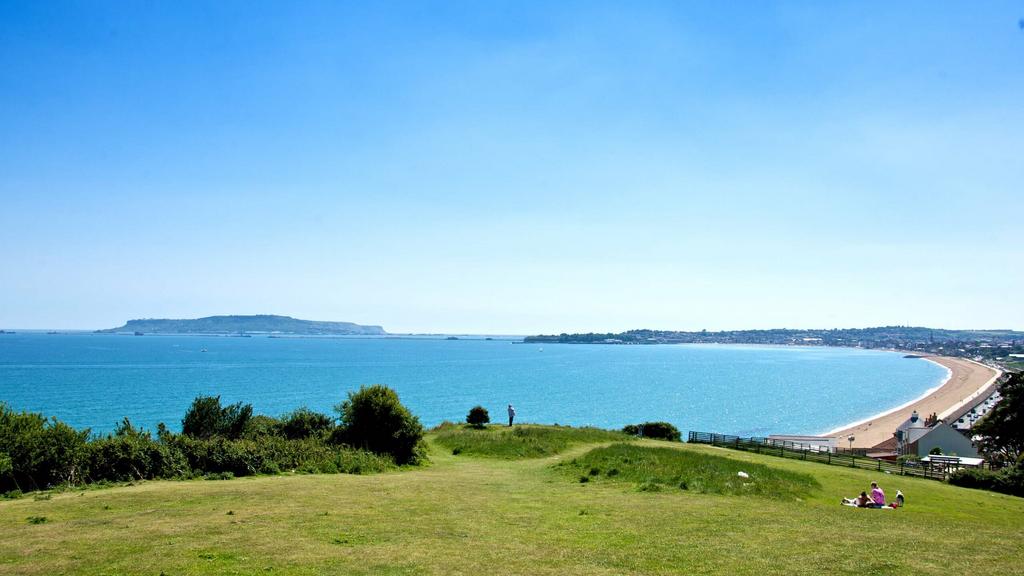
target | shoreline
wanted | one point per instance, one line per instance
(949, 375)
(964, 381)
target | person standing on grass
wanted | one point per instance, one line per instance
(511, 414)
(877, 496)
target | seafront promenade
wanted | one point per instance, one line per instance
(966, 379)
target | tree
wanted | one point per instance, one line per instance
(6, 465)
(206, 418)
(1002, 429)
(304, 423)
(659, 430)
(374, 419)
(478, 417)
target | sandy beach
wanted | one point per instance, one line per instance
(966, 379)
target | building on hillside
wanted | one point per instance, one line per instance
(965, 417)
(812, 443)
(914, 437)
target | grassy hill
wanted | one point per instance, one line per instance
(476, 514)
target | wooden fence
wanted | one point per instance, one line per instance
(835, 457)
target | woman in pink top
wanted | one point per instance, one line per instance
(877, 496)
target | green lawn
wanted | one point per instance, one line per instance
(526, 441)
(652, 468)
(473, 515)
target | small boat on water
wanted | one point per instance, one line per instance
(137, 333)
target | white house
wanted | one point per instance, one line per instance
(913, 437)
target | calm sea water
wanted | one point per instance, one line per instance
(93, 380)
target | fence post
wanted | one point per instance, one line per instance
(830, 456)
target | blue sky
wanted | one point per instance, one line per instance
(522, 167)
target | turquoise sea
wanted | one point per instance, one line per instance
(94, 380)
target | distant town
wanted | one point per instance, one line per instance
(1005, 347)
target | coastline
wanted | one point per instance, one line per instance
(965, 380)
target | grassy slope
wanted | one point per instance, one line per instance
(465, 515)
(526, 441)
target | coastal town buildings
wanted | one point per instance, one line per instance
(915, 437)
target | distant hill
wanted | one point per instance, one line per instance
(263, 323)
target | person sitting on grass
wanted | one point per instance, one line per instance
(862, 501)
(877, 496)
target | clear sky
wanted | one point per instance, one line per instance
(520, 167)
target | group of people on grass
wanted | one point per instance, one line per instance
(875, 500)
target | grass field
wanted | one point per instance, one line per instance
(664, 467)
(477, 515)
(527, 441)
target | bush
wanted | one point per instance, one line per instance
(206, 418)
(974, 478)
(658, 430)
(42, 452)
(374, 419)
(305, 423)
(131, 454)
(260, 425)
(1007, 481)
(478, 417)
(38, 453)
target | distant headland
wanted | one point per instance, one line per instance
(256, 324)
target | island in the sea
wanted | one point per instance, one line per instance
(255, 324)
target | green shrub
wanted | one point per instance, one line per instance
(974, 478)
(39, 453)
(305, 423)
(43, 452)
(374, 419)
(657, 430)
(131, 454)
(1007, 481)
(478, 417)
(266, 455)
(260, 425)
(206, 418)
